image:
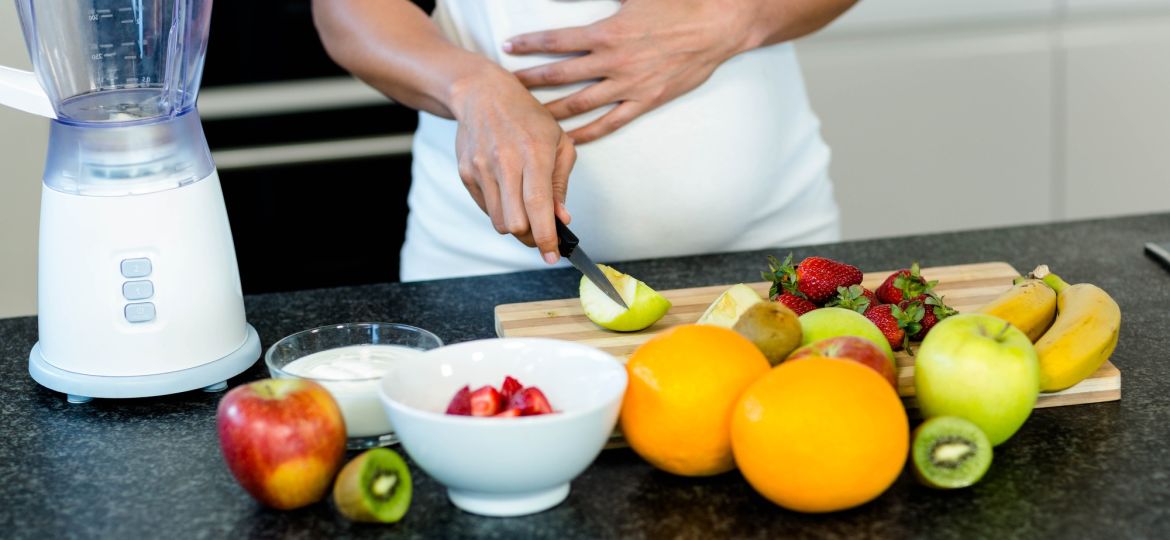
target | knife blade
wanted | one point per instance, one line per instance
(569, 246)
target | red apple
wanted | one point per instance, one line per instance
(283, 439)
(854, 348)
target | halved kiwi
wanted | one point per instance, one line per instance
(373, 487)
(950, 452)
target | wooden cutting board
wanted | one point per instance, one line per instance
(965, 287)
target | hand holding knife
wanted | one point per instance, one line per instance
(568, 244)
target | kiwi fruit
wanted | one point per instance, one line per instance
(773, 327)
(950, 452)
(373, 487)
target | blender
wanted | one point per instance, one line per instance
(138, 291)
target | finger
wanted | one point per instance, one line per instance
(469, 177)
(493, 207)
(566, 157)
(539, 203)
(581, 68)
(608, 123)
(561, 40)
(512, 201)
(584, 100)
(562, 212)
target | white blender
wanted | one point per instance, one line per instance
(138, 291)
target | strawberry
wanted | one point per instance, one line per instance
(530, 401)
(818, 278)
(509, 388)
(895, 323)
(486, 401)
(461, 403)
(903, 284)
(815, 278)
(507, 413)
(934, 310)
(798, 304)
(854, 297)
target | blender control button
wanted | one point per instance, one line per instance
(133, 268)
(141, 312)
(137, 290)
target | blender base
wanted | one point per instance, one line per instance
(80, 388)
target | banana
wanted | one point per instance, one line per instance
(1029, 305)
(1082, 337)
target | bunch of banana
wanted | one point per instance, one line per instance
(1074, 327)
(1029, 305)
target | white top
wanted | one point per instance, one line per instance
(735, 164)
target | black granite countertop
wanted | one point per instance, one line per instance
(150, 468)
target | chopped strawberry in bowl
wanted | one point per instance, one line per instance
(512, 399)
(505, 424)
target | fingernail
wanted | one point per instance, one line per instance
(507, 46)
(551, 257)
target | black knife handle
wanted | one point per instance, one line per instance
(566, 240)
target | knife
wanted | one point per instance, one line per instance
(568, 244)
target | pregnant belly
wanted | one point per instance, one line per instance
(711, 164)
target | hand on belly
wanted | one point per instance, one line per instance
(647, 54)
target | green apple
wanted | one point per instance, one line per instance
(828, 322)
(980, 368)
(646, 306)
(726, 309)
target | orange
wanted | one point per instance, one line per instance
(683, 384)
(820, 435)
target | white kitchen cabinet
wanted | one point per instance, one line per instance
(935, 130)
(23, 139)
(1117, 157)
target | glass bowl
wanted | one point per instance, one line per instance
(349, 360)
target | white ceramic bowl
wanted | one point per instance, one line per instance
(506, 466)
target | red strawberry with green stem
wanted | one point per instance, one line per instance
(783, 290)
(904, 284)
(816, 278)
(895, 323)
(934, 310)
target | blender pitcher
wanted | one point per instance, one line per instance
(138, 290)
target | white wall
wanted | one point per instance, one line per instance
(22, 160)
(979, 113)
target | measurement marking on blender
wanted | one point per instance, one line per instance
(137, 290)
(136, 268)
(140, 313)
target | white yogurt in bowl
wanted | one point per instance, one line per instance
(352, 374)
(350, 360)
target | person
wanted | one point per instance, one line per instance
(665, 127)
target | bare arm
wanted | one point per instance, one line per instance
(514, 159)
(393, 46)
(779, 21)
